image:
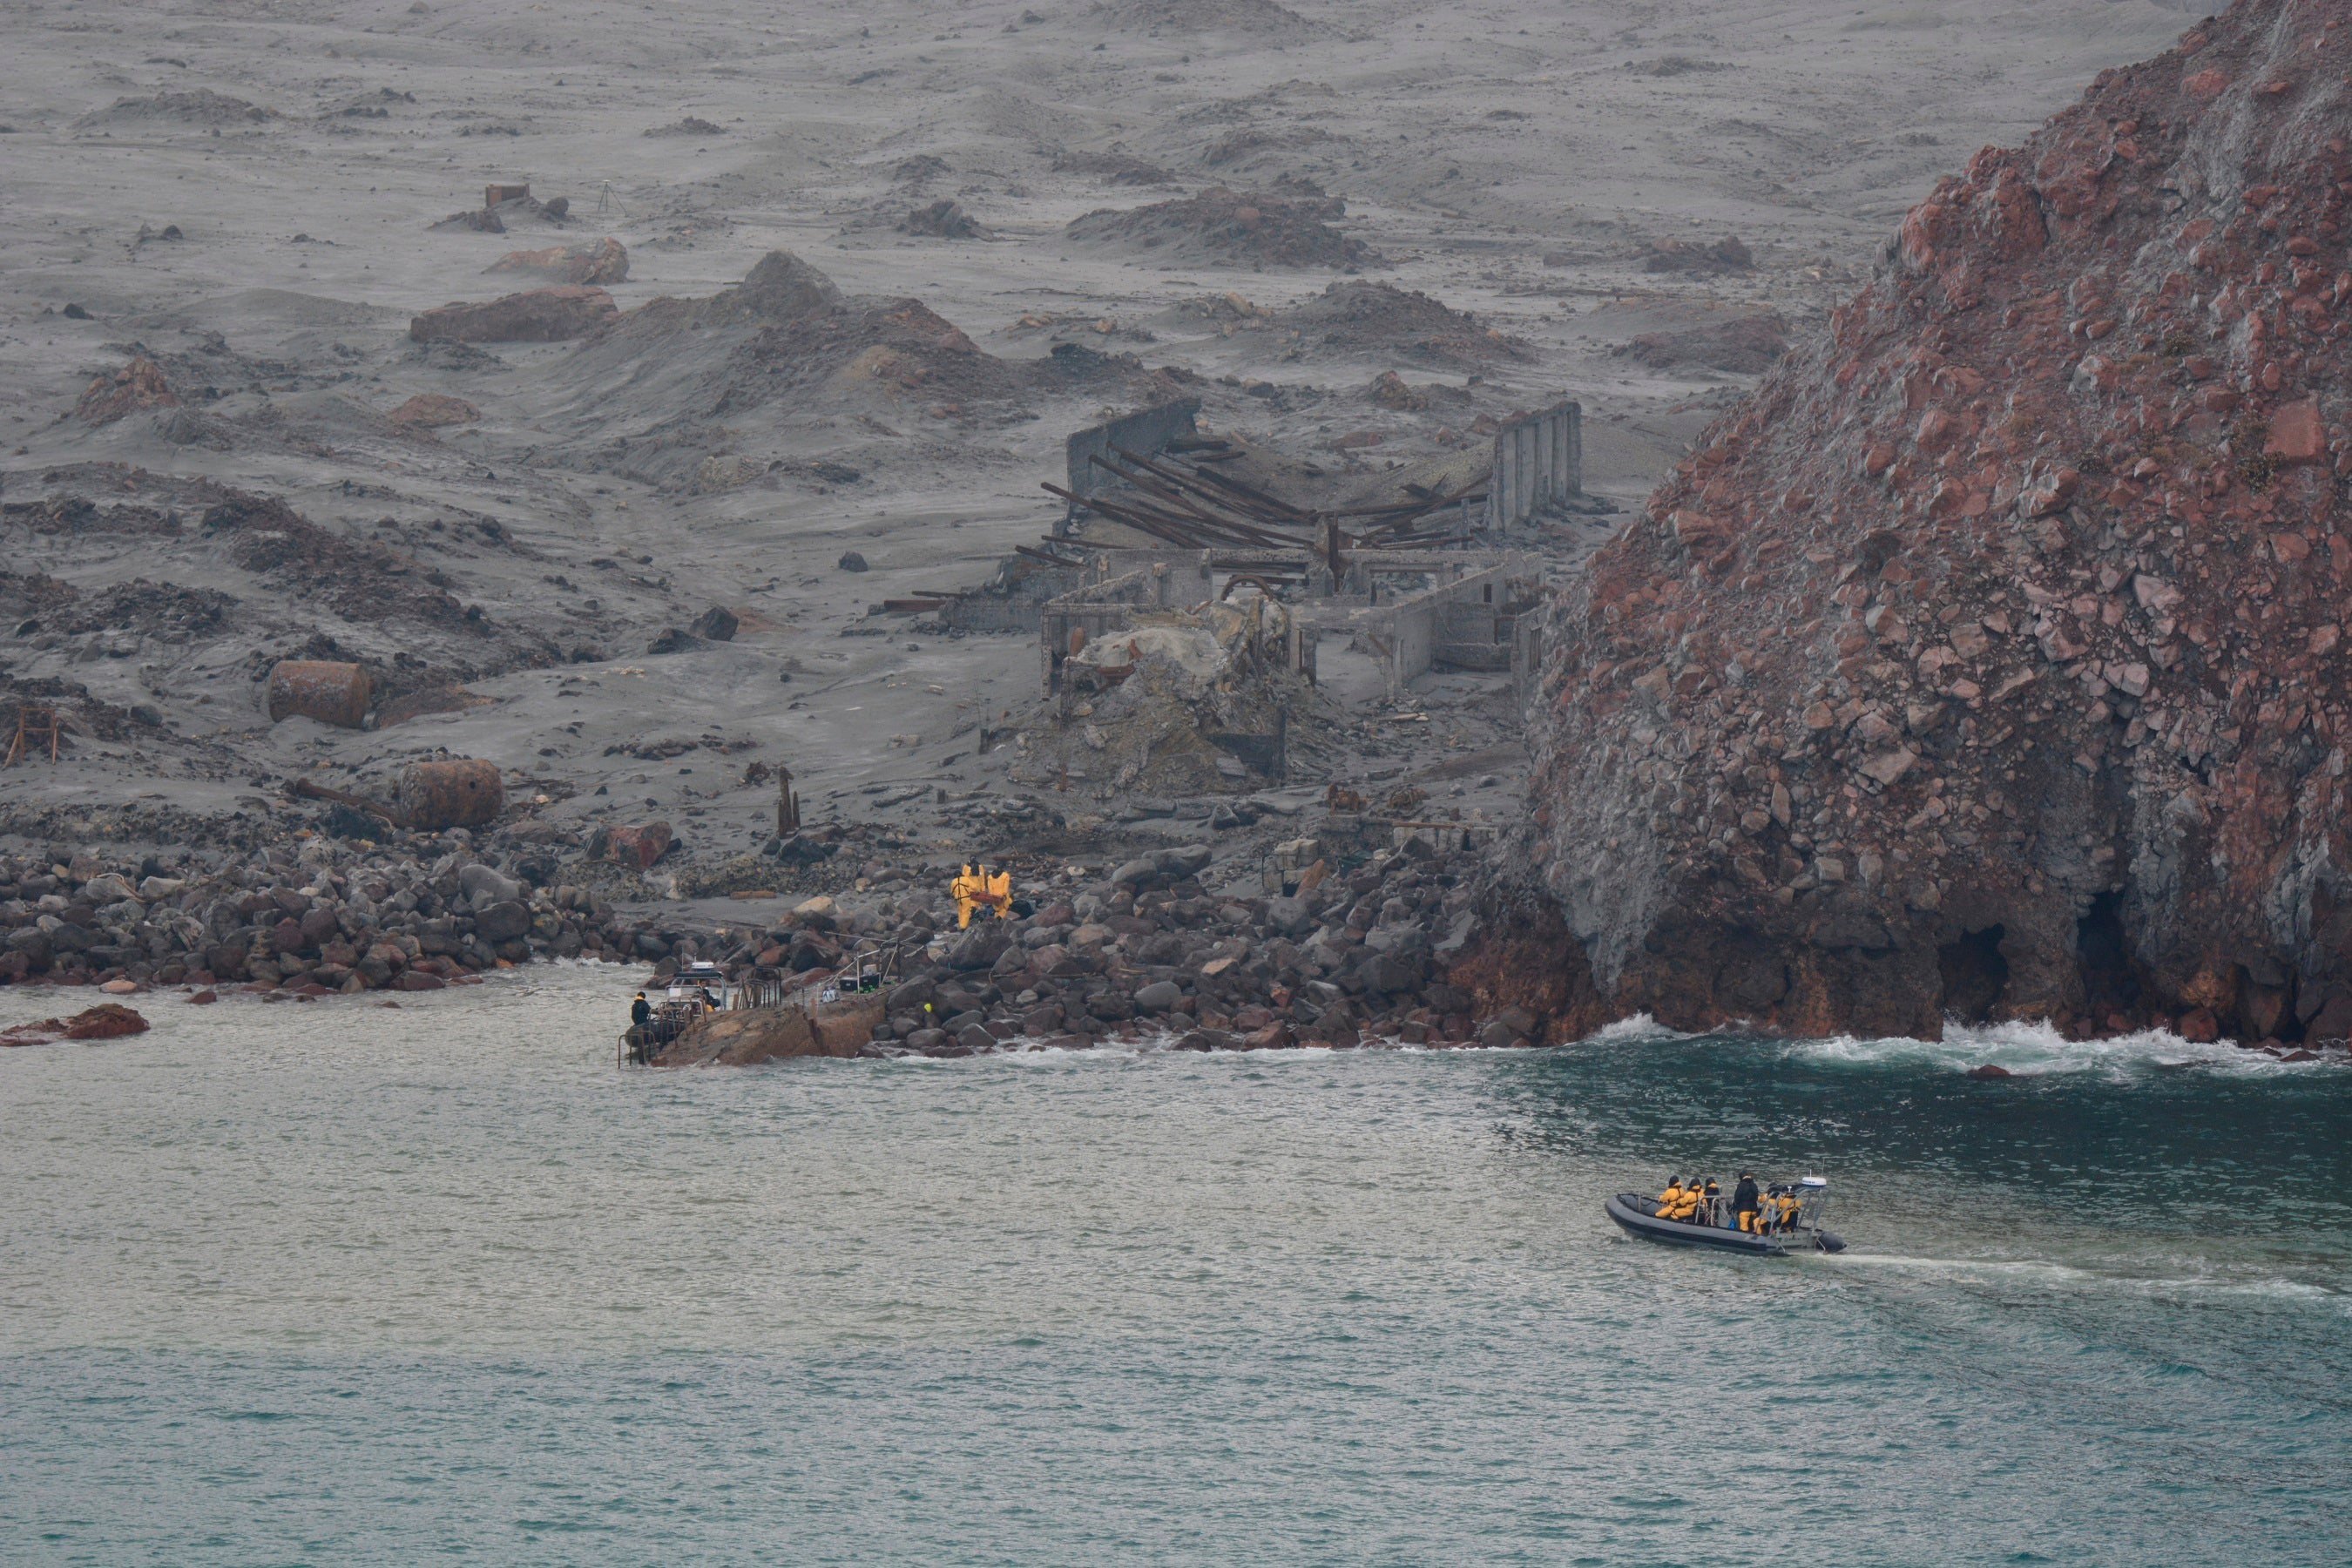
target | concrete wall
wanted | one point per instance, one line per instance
(1011, 603)
(1407, 637)
(1538, 463)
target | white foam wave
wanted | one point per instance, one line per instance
(1641, 1029)
(2036, 1049)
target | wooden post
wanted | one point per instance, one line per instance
(34, 725)
(788, 804)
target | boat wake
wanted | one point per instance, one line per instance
(2184, 1288)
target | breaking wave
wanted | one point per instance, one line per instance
(2038, 1050)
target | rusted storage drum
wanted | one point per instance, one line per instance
(332, 693)
(461, 792)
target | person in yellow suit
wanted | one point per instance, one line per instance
(1668, 1199)
(1790, 1203)
(974, 889)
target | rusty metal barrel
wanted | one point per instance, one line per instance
(317, 689)
(460, 793)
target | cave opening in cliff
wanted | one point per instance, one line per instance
(2111, 986)
(1976, 976)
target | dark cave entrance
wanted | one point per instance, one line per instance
(2110, 981)
(1975, 976)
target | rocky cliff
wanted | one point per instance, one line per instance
(1989, 661)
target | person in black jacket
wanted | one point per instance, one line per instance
(1744, 1204)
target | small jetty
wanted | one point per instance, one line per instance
(706, 1020)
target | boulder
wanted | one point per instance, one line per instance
(1159, 996)
(981, 946)
(502, 923)
(486, 886)
(716, 624)
(539, 316)
(1288, 916)
(639, 845)
(107, 1021)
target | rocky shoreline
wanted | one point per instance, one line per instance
(1148, 947)
(1355, 953)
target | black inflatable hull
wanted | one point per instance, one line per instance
(1624, 1208)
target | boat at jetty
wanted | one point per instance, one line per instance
(766, 1015)
(1638, 1214)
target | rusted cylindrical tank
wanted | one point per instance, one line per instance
(461, 792)
(317, 689)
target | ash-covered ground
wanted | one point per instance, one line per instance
(222, 443)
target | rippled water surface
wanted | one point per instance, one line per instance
(341, 1284)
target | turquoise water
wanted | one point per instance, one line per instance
(339, 1284)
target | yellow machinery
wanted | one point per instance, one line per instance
(976, 889)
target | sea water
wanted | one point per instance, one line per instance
(343, 1283)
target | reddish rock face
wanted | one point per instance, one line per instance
(1985, 663)
(539, 316)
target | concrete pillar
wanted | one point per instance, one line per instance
(1524, 500)
(1546, 459)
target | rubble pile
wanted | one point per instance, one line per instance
(1747, 344)
(1729, 254)
(942, 219)
(1231, 228)
(1987, 662)
(1115, 168)
(139, 384)
(201, 107)
(1358, 316)
(785, 335)
(1144, 707)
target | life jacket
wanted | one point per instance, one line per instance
(1669, 1198)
